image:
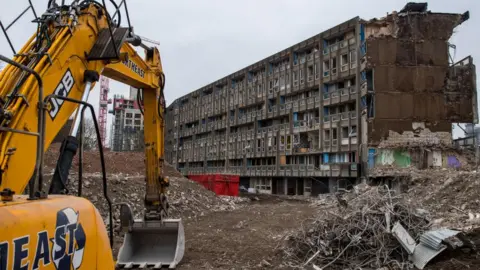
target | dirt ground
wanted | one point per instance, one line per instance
(229, 234)
(245, 238)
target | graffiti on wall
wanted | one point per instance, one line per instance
(403, 158)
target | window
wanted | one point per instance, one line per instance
(344, 59)
(344, 62)
(301, 76)
(295, 78)
(327, 135)
(316, 70)
(128, 122)
(129, 115)
(326, 65)
(310, 73)
(353, 59)
(353, 157)
(353, 131)
(334, 65)
(344, 132)
(334, 134)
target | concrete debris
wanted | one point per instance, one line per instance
(418, 138)
(356, 236)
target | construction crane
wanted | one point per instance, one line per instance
(47, 80)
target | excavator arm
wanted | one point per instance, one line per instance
(73, 46)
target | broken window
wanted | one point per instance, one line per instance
(334, 65)
(344, 132)
(353, 157)
(326, 65)
(353, 131)
(310, 71)
(327, 134)
(276, 83)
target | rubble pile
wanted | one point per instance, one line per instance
(356, 233)
(450, 196)
(132, 163)
(126, 184)
(186, 198)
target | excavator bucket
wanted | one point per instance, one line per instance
(151, 244)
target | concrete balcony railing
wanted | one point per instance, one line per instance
(300, 126)
(353, 115)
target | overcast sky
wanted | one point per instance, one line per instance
(202, 41)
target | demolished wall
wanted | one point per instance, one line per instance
(409, 76)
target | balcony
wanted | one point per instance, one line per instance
(300, 126)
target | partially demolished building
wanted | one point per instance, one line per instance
(330, 110)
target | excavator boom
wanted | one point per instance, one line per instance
(46, 82)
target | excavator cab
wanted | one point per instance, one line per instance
(84, 41)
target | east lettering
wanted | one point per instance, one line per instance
(42, 252)
(19, 253)
(71, 229)
(60, 242)
(4, 256)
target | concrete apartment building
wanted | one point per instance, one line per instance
(333, 109)
(127, 127)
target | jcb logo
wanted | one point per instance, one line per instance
(63, 89)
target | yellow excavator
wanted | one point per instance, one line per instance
(43, 225)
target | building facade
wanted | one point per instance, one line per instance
(320, 115)
(127, 128)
